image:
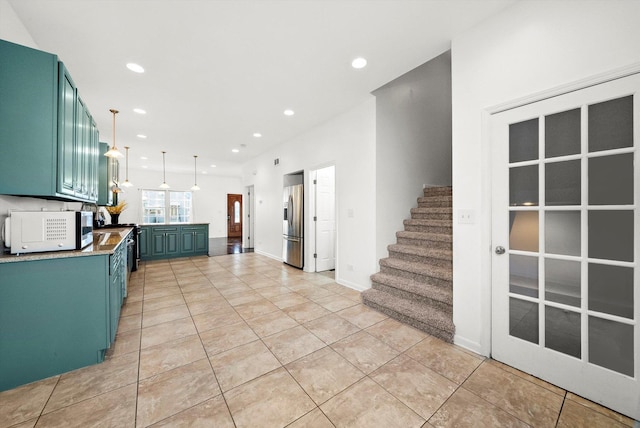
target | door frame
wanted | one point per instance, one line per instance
(248, 212)
(486, 199)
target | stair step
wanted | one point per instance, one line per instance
(428, 226)
(430, 240)
(417, 314)
(438, 213)
(434, 275)
(435, 201)
(437, 191)
(438, 297)
(425, 255)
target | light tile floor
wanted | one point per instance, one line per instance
(245, 341)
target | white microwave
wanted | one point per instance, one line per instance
(36, 231)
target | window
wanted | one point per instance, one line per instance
(165, 206)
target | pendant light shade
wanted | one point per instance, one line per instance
(126, 182)
(113, 151)
(164, 184)
(195, 173)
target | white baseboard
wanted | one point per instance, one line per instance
(351, 285)
(468, 344)
(271, 256)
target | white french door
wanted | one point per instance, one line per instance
(565, 283)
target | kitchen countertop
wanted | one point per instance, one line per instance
(105, 241)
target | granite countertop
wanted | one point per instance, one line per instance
(105, 241)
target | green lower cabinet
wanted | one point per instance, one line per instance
(164, 242)
(55, 316)
(143, 242)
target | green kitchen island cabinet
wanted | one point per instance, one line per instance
(60, 311)
(172, 241)
(47, 133)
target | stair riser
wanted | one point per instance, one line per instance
(440, 245)
(437, 191)
(431, 216)
(439, 282)
(421, 259)
(447, 336)
(442, 306)
(428, 229)
(434, 204)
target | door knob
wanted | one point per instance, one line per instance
(500, 250)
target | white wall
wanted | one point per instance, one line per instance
(528, 48)
(413, 143)
(348, 142)
(12, 29)
(209, 203)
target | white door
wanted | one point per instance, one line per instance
(325, 219)
(565, 290)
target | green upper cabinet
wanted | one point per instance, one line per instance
(47, 132)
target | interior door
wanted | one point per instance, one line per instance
(325, 216)
(565, 287)
(234, 215)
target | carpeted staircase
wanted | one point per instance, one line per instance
(414, 284)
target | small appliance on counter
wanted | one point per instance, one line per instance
(37, 231)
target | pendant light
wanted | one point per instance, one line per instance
(164, 184)
(126, 182)
(113, 151)
(195, 173)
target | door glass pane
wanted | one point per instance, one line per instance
(523, 275)
(236, 212)
(611, 289)
(523, 230)
(562, 133)
(562, 331)
(611, 235)
(611, 124)
(523, 141)
(562, 183)
(562, 281)
(611, 345)
(562, 232)
(523, 320)
(611, 180)
(523, 186)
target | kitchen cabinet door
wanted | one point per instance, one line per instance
(187, 242)
(143, 242)
(67, 173)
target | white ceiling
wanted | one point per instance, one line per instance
(219, 70)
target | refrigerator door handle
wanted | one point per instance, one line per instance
(290, 216)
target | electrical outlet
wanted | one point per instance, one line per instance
(466, 216)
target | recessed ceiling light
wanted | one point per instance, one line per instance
(213, 166)
(139, 111)
(289, 112)
(204, 172)
(144, 157)
(135, 67)
(257, 134)
(235, 150)
(359, 63)
(141, 136)
(144, 166)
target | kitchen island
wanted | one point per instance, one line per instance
(166, 241)
(59, 311)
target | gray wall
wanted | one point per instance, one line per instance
(413, 143)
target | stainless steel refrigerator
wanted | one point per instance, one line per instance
(293, 226)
